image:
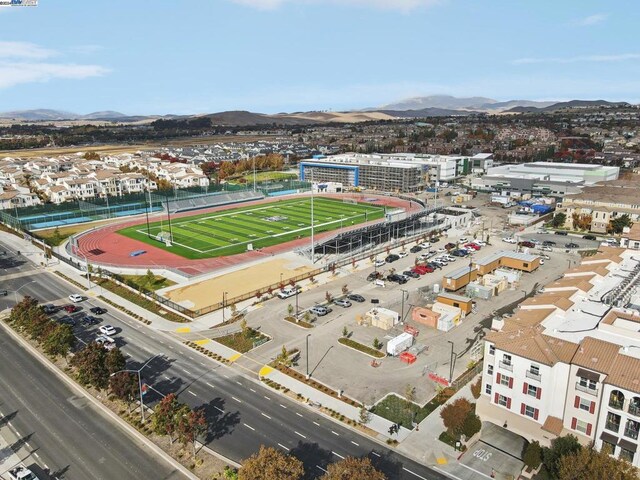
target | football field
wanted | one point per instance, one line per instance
(229, 232)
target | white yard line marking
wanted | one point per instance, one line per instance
(468, 467)
(448, 474)
(265, 415)
(202, 363)
(238, 383)
(186, 371)
(249, 427)
(414, 473)
(337, 454)
(225, 375)
(299, 434)
(282, 446)
(237, 400)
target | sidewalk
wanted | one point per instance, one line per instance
(8, 456)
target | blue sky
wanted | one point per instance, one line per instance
(197, 56)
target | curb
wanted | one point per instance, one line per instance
(128, 429)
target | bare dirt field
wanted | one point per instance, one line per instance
(202, 294)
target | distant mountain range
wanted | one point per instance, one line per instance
(417, 107)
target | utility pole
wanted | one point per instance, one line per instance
(451, 362)
(307, 339)
(404, 292)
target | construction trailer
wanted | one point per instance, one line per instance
(523, 262)
(382, 318)
(399, 344)
(465, 304)
(459, 278)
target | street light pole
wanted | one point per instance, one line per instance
(297, 312)
(138, 372)
(224, 304)
(15, 292)
(451, 363)
(307, 340)
(403, 294)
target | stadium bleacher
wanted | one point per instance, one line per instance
(212, 200)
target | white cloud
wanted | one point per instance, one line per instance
(22, 62)
(580, 58)
(591, 20)
(402, 5)
(24, 50)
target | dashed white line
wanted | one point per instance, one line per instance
(266, 397)
(282, 446)
(203, 364)
(249, 427)
(166, 376)
(299, 434)
(209, 385)
(337, 454)
(192, 393)
(225, 375)
(171, 347)
(222, 411)
(186, 371)
(335, 433)
(413, 473)
(283, 406)
(316, 424)
(318, 466)
(356, 444)
(252, 390)
(238, 383)
(299, 414)
(237, 399)
(265, 415)
(375, 453)
(46, 467)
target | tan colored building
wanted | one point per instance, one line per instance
(523, 262)
(465, 304)
(459, 278)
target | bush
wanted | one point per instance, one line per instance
(532, 457)
(476, 388)
(471, 425)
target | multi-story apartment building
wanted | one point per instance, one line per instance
(570, 361)
(603, 203)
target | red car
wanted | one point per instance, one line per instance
(472, 245)
(71, 308)
(422, 269)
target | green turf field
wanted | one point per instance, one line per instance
(228, 232)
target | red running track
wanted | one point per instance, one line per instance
(116, 248)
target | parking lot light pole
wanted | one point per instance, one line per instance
(138, 372)
(15, 292)
(307, 340)
(297, 312)
(451, 362)
(404, 292)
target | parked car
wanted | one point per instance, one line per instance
(480, 243)
(509, 240)
(415, 249)
(355, 297)
(425, 245)
(473, 246)
(589, 237)
(50, 309)
(374, 276)
(571, 245)
(98, 310)
(395, 277)
(411, 274)
(107, 343)
(560, 232)
(546, 248)
(434, 266)
(541, 261)
(463, 240)
(342, 303)
(402, 254)
(527, 244)
(441, 250)
(71, 308)
(287, 291)
(392, 258)
(379, 263)
(107, 330)
(90, 320)
(420, 269)
(319, 310)
(450, 245)
(67, 320)
(4, 293)
(548, 243)
(75, 298)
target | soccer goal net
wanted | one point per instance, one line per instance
(164, 237)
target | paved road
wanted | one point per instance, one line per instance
(243, 414)
(68, 434)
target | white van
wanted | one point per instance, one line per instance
(287, 292)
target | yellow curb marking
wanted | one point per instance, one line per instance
(234, 357)
(441, 461)
(202, 342)
(183, 330)
(264, 371)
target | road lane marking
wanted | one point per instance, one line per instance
(337, 454)
(316, 423)
(318, 466)
(282, 446)
(186, 371)
(473, 470)
(413, 473)
(335, 433)
(209, 385)
(225, 375)
(252, 390)
(238, 383)
(249, 427)
(356, 444)
(202, 363)
(375, 453)
(283, 406)
(219, 409)
(171, 347)
(166, 376)
(299, 414)
(299, 434)
(266, 397)
(237, 400)
(192, 393)
(265, 415)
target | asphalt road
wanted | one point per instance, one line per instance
(242, 413)
(69, 435)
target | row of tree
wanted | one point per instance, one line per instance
(55, 338)
(583, 222)
(269, 162)
(272, 464)
(178, 421)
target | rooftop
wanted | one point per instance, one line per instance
(525, 257)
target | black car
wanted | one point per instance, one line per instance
(415, 249)
(561, 233)
(373, 276)
(548, 243)
(67, 320)
(394, 277)
(391, 258)
(49, 309)
(3, 293)
(434, 265)
(355, 297)
(589, 237)
(98, 310)
(571, 245)
(411, 274)
(90, 320)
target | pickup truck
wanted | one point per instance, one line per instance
(22, 473)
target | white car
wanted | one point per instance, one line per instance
(107, 342)
(402, 254)
(480, 243)
(107, 330)
(463, 240)
(75, 298)
(509, 240)
(425, 245)
(441, 250)
(379, 263)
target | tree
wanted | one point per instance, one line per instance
(365, 415)
(149, 279)
(454, 414)
(271, 464)
(588, 463)
(290, 309)
(283, 357)
(307, 316)
(345, 331)
(532, 457)
(230, 473)
(244, 328)
(91, 367)
(377, 344)
(328, 297)
(618, 224)
(59, 340)
(164, 416)
(476, 388)
(560, 447)
(345, 289)
(124, 386)
(559, 220)
(190, 425)
(410, 392)
(471, 425)
(353, 469)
